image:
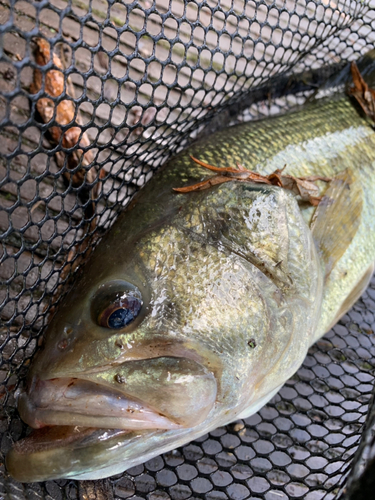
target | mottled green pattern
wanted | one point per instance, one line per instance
(313, 140)
(325, 138)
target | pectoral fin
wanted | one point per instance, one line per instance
(337, 218)
(354, 295)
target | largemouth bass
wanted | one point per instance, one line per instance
(196, 308)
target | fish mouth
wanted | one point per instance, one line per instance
(86, 426)
(82, 403)
(158, 393)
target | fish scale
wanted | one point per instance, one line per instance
(324, 138)
(257, 145)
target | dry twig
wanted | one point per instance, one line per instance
(302, 186)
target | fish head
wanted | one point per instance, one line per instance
(191, 313)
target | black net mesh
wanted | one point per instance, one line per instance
(94, 96)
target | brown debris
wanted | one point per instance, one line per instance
(362, 92)
(302, 186)
(101, 489)
(63, 113)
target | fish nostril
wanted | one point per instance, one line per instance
(68, 330)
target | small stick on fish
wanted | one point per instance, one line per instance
(302, 186)
(362, 92)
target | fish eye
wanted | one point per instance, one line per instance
(121, 312)
(116, 305)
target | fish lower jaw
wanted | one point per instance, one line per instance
(74, 402)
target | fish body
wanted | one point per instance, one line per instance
(196, 308)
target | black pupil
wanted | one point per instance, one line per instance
(124, 315)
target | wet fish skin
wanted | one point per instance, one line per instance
(216, 269)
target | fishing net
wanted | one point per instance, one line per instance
(95, 95)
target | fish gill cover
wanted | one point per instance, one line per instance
(95, 96)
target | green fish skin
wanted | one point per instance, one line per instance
(228, 287)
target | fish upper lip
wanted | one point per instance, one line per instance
(166, 392)
(149, 351)
(109, 408)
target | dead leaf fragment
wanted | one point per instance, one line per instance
(301, 186)
(362, 92)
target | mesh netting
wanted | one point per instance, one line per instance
(139, 80)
